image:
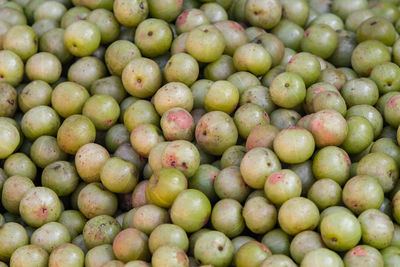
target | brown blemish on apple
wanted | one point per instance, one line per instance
(172, 160)
(181, 118)
(236, 26)
(182, 18)
(181, 257)
(358, 251)
(42, 212)
(277, 177)
(392, 103)
(205, 220)
(263, 247)
(347, 158)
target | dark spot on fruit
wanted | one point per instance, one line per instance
(184, 165)
(11, 101)
(390, 173)
(389, 83)
(206, 30)
(57, 167)
(273, 179)
(258, 42)
(102, 225)
(1, 76)
(139, 80)
(141, 5)
(220, 248)
(173, 163)
(334, 239)
(269, 164)
(358, 251)
(373, 23)
(150, 33)
(44, 210)
(255, 13)
(293, 118)
(182, 257)
(74, 45)
(287, 85)
(169, 63)
(204, 133)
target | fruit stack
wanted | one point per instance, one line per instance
(184, 133)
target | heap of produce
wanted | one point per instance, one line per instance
(185, 133)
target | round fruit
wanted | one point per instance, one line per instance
(282, 185)
(118, 175)
(102, 110)
(322, 257)
(388, 173)
(229, 183)
(257, 165)
(294, 145)
(169, 255)
(378, 54)
(363, 255)
(265, 13)
(82, 38)
(68, 254)
(325, 193)
(68, 98)
(164, 186)
(181, 155)
(61, 177)
(50, 235)
(29, 255)
(94, 200)
(317, 36)
(40, 205)
(332, 162)
(153, 37)
(259, 215)
(99, 255)
(303, 243)
(226, 217)
(362, 192)
(100, 230)
(131, 244)
(191, 210)
(216, 132)
(205, 43)
(214, 248)
(13, 236)
(340, 231)
(251, 254)
(74, 132)
(287, 90)
(168, 234)
(298, 214)
(221, 96)
(89, 160)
